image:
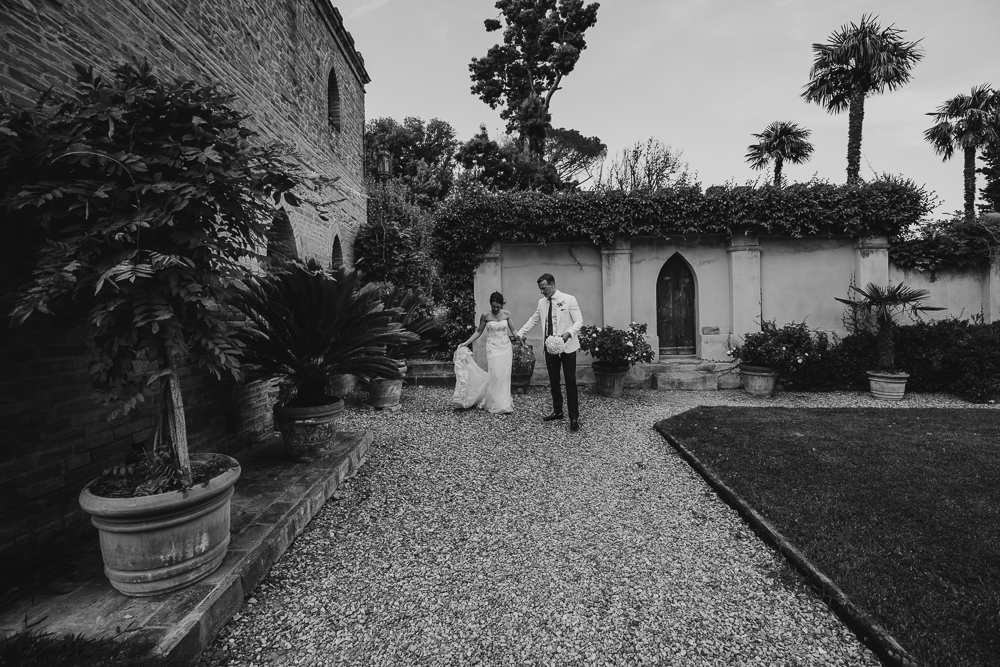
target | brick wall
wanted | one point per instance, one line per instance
(277, 57)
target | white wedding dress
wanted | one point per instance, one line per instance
(489, 390)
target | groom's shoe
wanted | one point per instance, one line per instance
(574, 425)
(552, 417)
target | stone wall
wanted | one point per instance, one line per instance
(278, 57)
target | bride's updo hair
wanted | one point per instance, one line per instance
(497, 297)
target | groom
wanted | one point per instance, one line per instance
(561, 315)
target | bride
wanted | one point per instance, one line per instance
(487, 390)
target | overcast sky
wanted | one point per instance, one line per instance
(699, 75)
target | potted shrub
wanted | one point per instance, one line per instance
(614, 352)
(770, 353)
(880, 306)
(523, 363)
(305, 325)
(412, 316)
(146, 199)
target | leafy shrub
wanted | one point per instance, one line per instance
(393, 245)
(784, 349)
(960, 357)
(838, 364)
(947, 244)
(956, 356)
(616, 347)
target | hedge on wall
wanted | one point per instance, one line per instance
(471, 220)
(947, 244)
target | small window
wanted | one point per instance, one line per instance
(333, 101)
(281, 239)
(338, 252)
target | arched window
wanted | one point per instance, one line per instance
(281, 238)
(338, 252)
(333, 101)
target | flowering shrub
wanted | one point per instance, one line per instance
(617, 347)
(782, 349)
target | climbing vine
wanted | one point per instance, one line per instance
(470, 221)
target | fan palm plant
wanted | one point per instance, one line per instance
(305, 324)
(969, 122)
(780, 141)
(883, 304)
(857, 61)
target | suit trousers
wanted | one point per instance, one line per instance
(565, 362)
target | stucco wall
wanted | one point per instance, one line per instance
(576, 268)
(799, 279)
(959, 292)
(706, 257)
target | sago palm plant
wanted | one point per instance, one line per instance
(305, 324)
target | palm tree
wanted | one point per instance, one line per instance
(882, 305)
(859, 60)
(780, 141)
(970, 122)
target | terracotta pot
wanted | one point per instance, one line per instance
(758, 380)
(309, 433)
(521, 371)
(386, 393)
(609, 379)
(887, 386)
(156, 544)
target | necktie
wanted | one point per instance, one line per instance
(549, 332)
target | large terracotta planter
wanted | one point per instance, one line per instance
(758, 380)
(887, 386)
(386, 393)
(157, 544)
(309, 433)
(609, 379)
(522, 366)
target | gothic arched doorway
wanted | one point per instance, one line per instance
(675, 307)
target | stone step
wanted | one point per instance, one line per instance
(685, 380)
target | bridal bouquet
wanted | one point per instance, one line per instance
(555, 344)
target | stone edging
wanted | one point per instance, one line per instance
(873, 635)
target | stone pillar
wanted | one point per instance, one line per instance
(991, 291)
(616, 282)
(744, 283)
(487, 281)
(871, 262)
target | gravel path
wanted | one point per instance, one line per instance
(471, 538)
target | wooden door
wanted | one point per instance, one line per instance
(675, 308)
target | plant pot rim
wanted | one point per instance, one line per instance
(894, 374)
(754, 368)
(293, 411)
(171, 501)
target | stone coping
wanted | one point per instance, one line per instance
(273, 502)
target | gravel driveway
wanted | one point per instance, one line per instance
(471, 538)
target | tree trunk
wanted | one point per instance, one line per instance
(970, 183)
(176, 425)
(855, 121)
(777, 172)
(883, 343)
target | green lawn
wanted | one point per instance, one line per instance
(900, 507)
